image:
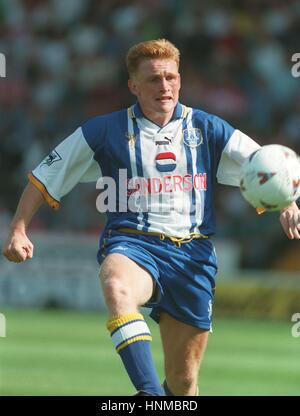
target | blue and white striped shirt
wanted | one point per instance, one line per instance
(164, 176)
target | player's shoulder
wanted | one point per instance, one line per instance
(210, 122)
(97, 128)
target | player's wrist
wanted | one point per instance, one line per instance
(17, 228)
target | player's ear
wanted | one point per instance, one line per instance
(132, 86)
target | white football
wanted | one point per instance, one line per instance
(270, 177)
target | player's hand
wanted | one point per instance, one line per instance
(290, 221)
(17, 247)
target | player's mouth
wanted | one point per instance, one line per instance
(164, 99)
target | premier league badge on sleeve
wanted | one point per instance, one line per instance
(51, 158)
(192, 137)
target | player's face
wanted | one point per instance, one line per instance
(156, 84)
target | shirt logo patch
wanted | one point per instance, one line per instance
(52, 158)
(131, 139)
(165, 162)
(192, 137)
(163, 141)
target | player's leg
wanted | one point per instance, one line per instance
(184, 347)
(126, 286)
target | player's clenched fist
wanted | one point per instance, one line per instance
(18, 247)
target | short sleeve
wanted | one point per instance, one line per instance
(236, 150)
(71, 162)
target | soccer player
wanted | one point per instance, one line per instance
(164, 159)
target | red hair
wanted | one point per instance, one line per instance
(151, 49)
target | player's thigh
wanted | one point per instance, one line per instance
(127, 274)
(184, 346)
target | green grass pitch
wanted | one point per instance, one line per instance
(56, 352)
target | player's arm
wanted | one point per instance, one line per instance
(235, 147)
(290, 221)
(71, 162)
(18, 247)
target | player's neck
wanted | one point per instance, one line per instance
(161, 119)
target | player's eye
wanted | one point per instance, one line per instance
(154, 79)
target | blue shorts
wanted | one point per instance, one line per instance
(184, 276)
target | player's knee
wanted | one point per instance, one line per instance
(182, 383)
(115, 290)
(185, 382)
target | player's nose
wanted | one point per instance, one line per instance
(164, 86)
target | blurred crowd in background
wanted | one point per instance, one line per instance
(66, 63)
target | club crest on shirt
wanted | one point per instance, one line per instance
(192, 137)
(52, 158)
